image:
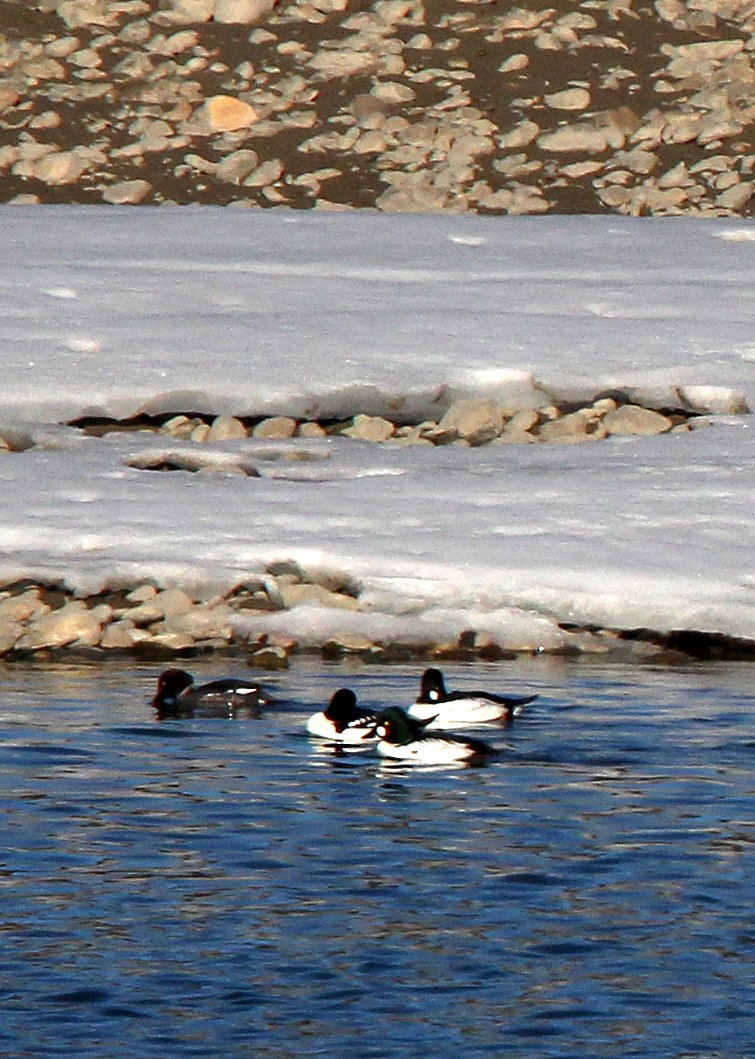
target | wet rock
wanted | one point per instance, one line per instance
(268, 656)
(60, 167)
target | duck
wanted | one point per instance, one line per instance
(442, 708)
(404, 738)
(343, 720)
(178, 696)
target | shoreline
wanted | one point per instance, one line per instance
(43, 621)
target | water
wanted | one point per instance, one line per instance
(219, 888)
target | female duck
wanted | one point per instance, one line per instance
(442, 708)
(343, 721)
(403, 738)
(178, 695)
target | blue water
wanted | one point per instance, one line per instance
(217, 887)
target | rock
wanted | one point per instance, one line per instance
(200, 623)
(736, 197)
(343, 63)
(266, 173)
(517, 430)
(10, 633)
(21, 608)
(571, 429)
(311, 430)
(581, 137)
(59, 167)
(234, 168)
(475, 419)
(370, 428)
(569, 99)
(280, 427)
(632, 419)
(226, 428)
(517, 61)
(224, 114)
(348, 643)
(122, 635)
(268, 657)
(245, 12)
(142, 593)
(187, 11)
(70, 624)
(127, 192)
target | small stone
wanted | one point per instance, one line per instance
(122, 635)
(225, 114)
(226, 428)
(573, 428)
(187, 11)
(59, 167)
(298, 595)
(370, 428)
(278, 427)
(474, 419)
(569, 99)
(234, 168)
(735, 197)
(632, 419)
(311, 430)
(517, 61)
(142, 593)
(573, 138)
(127, 192)
(244, 12)
(10, 633)
(21, 608)
(268, 657)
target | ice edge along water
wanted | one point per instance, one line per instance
(121, 311)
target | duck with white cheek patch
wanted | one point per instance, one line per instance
(343, 721)
(178, 696)
(447, 709)
(404, 738)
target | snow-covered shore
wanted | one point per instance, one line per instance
(122, 312)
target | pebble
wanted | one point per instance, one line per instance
(224, 114)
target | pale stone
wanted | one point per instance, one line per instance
(279, 427)
(569, 99)
(173, 641)
(572, 138)
(517, 430)
(370, 428)
(311, 430)
(142, 593)
(297, 595)
(632, 419)
(348, 643)
(572, 428)
(474, 419)
(735, 197)
(127, 192)
(393, 92)
(226, 428)
(122, 635)
(520, 136)
(200, 433)
(10, 633)
(237, 166)
(342, 63)
(71, 624)
(268, 657)
(201, 623)
(60, 167)
(22, 607)
(517, 61)
(242, 11)
(225, 114)
(187, 11)
(264, 174)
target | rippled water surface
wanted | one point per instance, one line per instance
(215, 887)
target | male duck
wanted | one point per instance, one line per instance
(442, 708)
(343, 721)
(178, 695)
(403, 738)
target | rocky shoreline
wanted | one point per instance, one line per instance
(600, 106)
(46, 621)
